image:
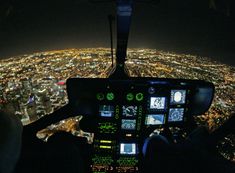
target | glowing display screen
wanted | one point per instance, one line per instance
(106, 111)
(157, 102)
(128, 148)
(176, 114)
(178, 96)
(155, 119)
(128, 124)
(129, 111)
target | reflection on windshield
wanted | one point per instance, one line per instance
(34, 85)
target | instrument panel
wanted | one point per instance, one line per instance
(127, 111)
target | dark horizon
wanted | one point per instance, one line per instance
(183, 27)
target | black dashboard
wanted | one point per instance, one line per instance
(127, 111)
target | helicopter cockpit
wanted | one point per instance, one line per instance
(127, 110)
(124, 113)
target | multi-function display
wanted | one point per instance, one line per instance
(157, 103)
(128, 124)
(176, 114)
(155, 119)
(128, 148)
(129, 111)
(106, 111)
(178, 96)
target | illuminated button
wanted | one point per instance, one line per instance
(139, 96)
(130, 96)
(100, 96)
(110, 96)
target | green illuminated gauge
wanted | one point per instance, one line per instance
(100, 96)
(110, 96)
(124, 161)
(107, 127)
(102, 160)
(130, 96)
(139, 96)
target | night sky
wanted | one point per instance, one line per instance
(182, 26)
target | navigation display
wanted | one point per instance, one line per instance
(157, 102)
(178, 96)
(176, 114)
(128, 124)
(155, 119)
(129, 111)
(106, 111)
(128, 148)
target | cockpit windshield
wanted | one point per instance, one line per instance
(43, 43)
